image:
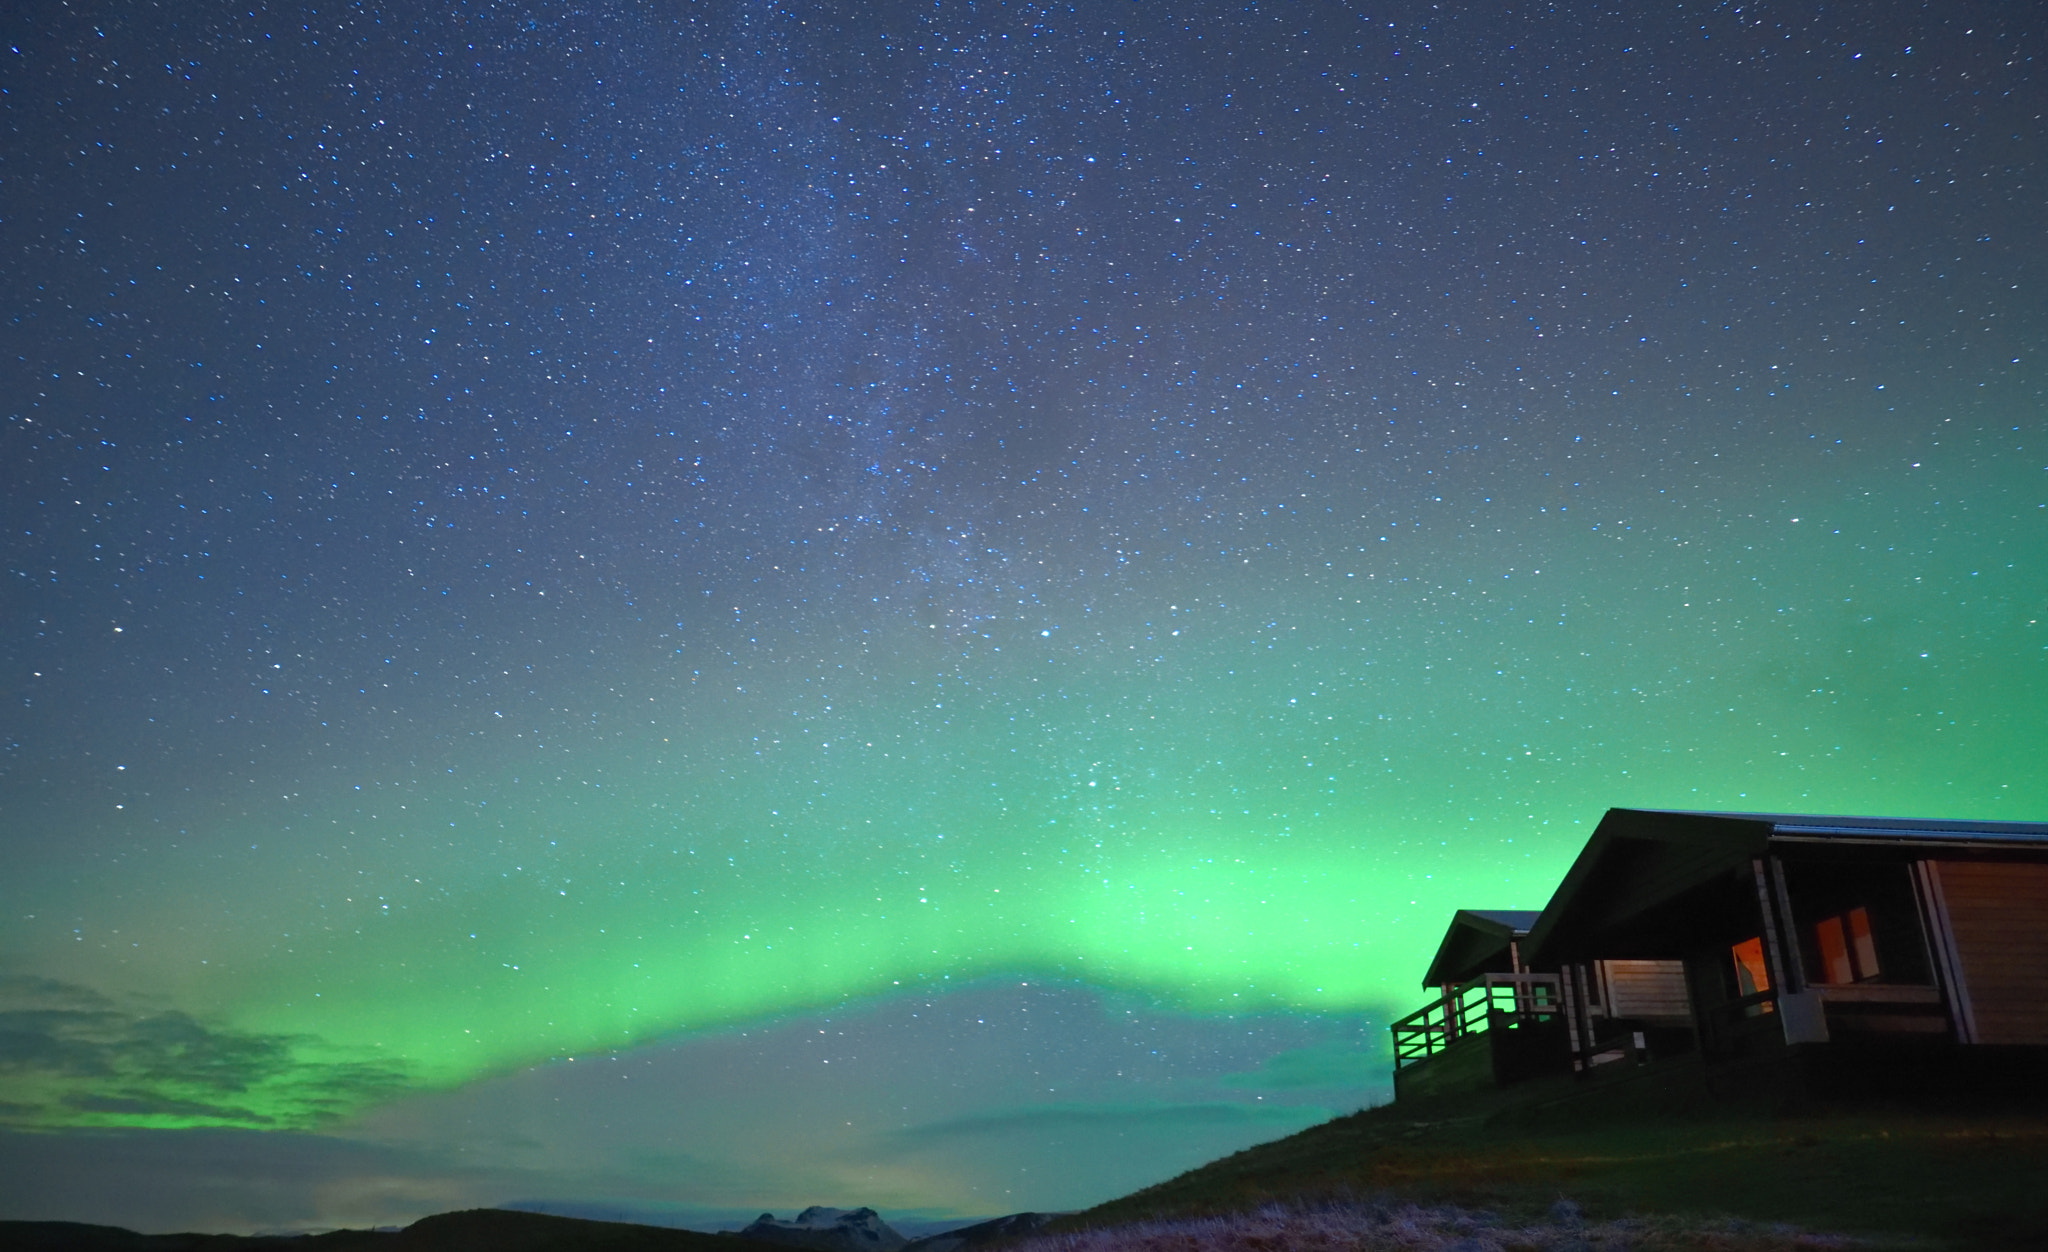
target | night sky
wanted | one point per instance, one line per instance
(675, 609)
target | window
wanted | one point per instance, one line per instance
(1751, 974)
(1847, 952)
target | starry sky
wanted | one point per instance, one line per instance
(672, 609)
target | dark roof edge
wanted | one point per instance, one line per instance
(1617, 824)
(1842, 824)
(1498, 923)
(1759, 831)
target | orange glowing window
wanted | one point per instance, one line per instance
(1847, 952)
(1751, 974)
(1861, 944)
(1834, 951)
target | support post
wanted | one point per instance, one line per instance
(1571, 1016)
(1941, 937)
(1773, 951)
(1795, 962)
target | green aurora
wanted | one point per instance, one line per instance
(1238, 800)
(692, 608)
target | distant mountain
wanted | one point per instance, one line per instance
(967, 1238)
(506, 1230)
(828, 1230)
(503, 1230)
(474, 1230)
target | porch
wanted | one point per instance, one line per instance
(1492, 1030)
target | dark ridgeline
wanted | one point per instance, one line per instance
(507, 1230)
(982, 1234)
(473, 1230)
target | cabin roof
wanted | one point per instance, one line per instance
(1640, 859)
(1476, 940)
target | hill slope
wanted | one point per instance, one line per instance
(1667, 1139)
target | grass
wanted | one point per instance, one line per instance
(1661, 1145)
(1369, 1227)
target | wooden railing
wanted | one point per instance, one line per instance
(1491, 1002)
(1867, 1009)
(1878, 993)
(1724, 1026)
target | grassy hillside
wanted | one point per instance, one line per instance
(1668, 1139)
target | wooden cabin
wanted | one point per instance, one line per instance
(1480, 941)
(1734, 935)
(1493, 1021)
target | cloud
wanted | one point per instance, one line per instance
(1071, 1154)
(70, 1056)
(1112, 1116)
(233, 1180)
(1334, 1063)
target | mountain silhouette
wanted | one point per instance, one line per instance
(828, 1230)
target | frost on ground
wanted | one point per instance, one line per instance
(1369, 1227)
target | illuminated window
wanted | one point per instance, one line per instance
(1834, 951)
(1861, 944)
(1751, 974)
(1847, 953)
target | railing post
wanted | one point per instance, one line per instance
(1469, 1008)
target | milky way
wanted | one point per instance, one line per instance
(657, 535)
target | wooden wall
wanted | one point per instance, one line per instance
(1998, 917)
(1652, 991)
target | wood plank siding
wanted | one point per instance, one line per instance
(1998, 917)
(1649, 991)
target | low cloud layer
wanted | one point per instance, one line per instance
(71, 1057)
(983, 1100)
(163, 1181)
(1118, 1118)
